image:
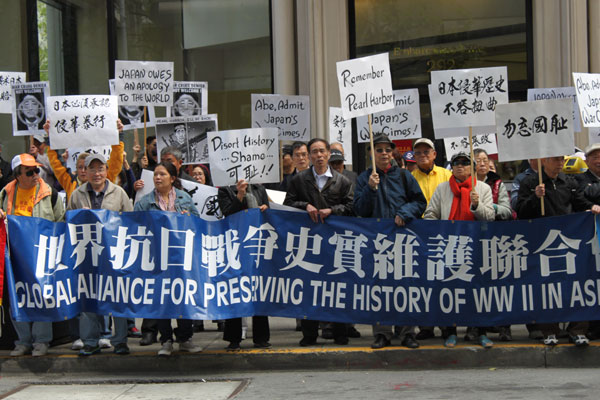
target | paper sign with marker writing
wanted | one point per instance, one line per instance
(290, 114)
(340, 131)
(6, 80)
(587, 87)
(142, 83)
(558, 93)
(456, 145)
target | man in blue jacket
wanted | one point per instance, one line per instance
(389, 192)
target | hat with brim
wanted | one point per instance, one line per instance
(93, 157)
(460, 155)
(336, 155)
(379, 138)
(424, 141)
(409, 156)
(27, 160)
(592, 148)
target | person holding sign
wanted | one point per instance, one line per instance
(389, 192)
(462, 198)
(28, 195)
(561, 195)
(321, 191)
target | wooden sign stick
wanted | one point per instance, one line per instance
(539, 162)
(145, 134)
(372, 147)
(471, 157)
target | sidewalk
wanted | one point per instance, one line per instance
(286, 354)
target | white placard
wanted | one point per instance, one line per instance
(587, 87)
(250, 154)
(142, 83)
(594, 135)
(132, 117)
(189, 98)
(558, 93)
(82, 121)
(365, 85)
(74, 153)
(401, 122)
(340, 130)
(467, 97)
(276, 196)
(29, 108)
(204, 196)
(188, 134)
(290, 114)
(534, 129)
(456, 145)
(6, 80)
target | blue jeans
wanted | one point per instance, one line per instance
(32, 332)
(90, 329)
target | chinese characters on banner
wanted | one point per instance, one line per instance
(250, 154)
(189, 98)
(132, 117)
(290, 114)
(467, 97)
(6, 80)
(188, 134)
(82, 121)
(29, 108)
(587, 87)
(142, 83)
(534, 129)
(365, 85)
(558, 93)
(401, 122)
(456, 145)
(340, 130)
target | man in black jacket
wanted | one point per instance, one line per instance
(321, 191)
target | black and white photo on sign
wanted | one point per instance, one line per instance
(82, 121)
(456, 145)
(467, 97)
(132, 117)
(250, 154)
(365, 85)
(144, 83)
(340, 131)
(7, 79)
(587, 87)
(558, 93)
(188, 134)
(534, 129)
(29, 108)
(189, 99)
(401, 122)
(289, 114)
(74, 152)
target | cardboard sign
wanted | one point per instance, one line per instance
(142, 83)
(534, 129)
(401, 122)
(290, 114)
(467, 97)
(189, 99)
(456, 145)
(188, 134)
(340, 131)
(587, 87)
(558, 93)
(365, 85)
(6, 80)
(250, 154)
(132, 117)
(29, 108)
(82, 121)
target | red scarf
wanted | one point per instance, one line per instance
(461, 203)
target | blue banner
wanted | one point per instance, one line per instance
(278, 263)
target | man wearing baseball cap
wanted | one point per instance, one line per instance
(409, 161)
(427, 173)
(29, 196)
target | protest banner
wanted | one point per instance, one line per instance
(340, 131)
(143, 83)
(82, 121)
(467, 97)
(250, 154)
(290, 114)
(166, 265)
(6, 80)
(456, 145)
(534, 129)
(189, 98)
(587, 87)
(132, 117)
(74, 153)
(188, 134)
(401, 122)
(29, 108)
(558, 93)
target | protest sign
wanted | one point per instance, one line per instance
(250, 154)
(29, 108)
(290, 114)
(142, 83)
(189, 98)
(6, 80)
(132, 117)
(82, 121)
(594, 135)
(558, 93)
(534, 129)
(467, 97)
(587, 87)
(340, 131)
(365, 85)
(188, 134)
(401, 122)
(74, 153)
(456, 145)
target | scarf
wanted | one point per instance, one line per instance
(170, 206)
(461, 203)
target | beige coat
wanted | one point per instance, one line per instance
(441, 203)
(115, 198)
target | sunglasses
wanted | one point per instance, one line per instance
(30, 173)
(461, 162)
(387, 150)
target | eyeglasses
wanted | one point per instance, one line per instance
(93, 171)
(422, 153)
(387, 150)
(461, 162)
(30, 173)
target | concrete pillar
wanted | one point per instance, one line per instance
(284, 47)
